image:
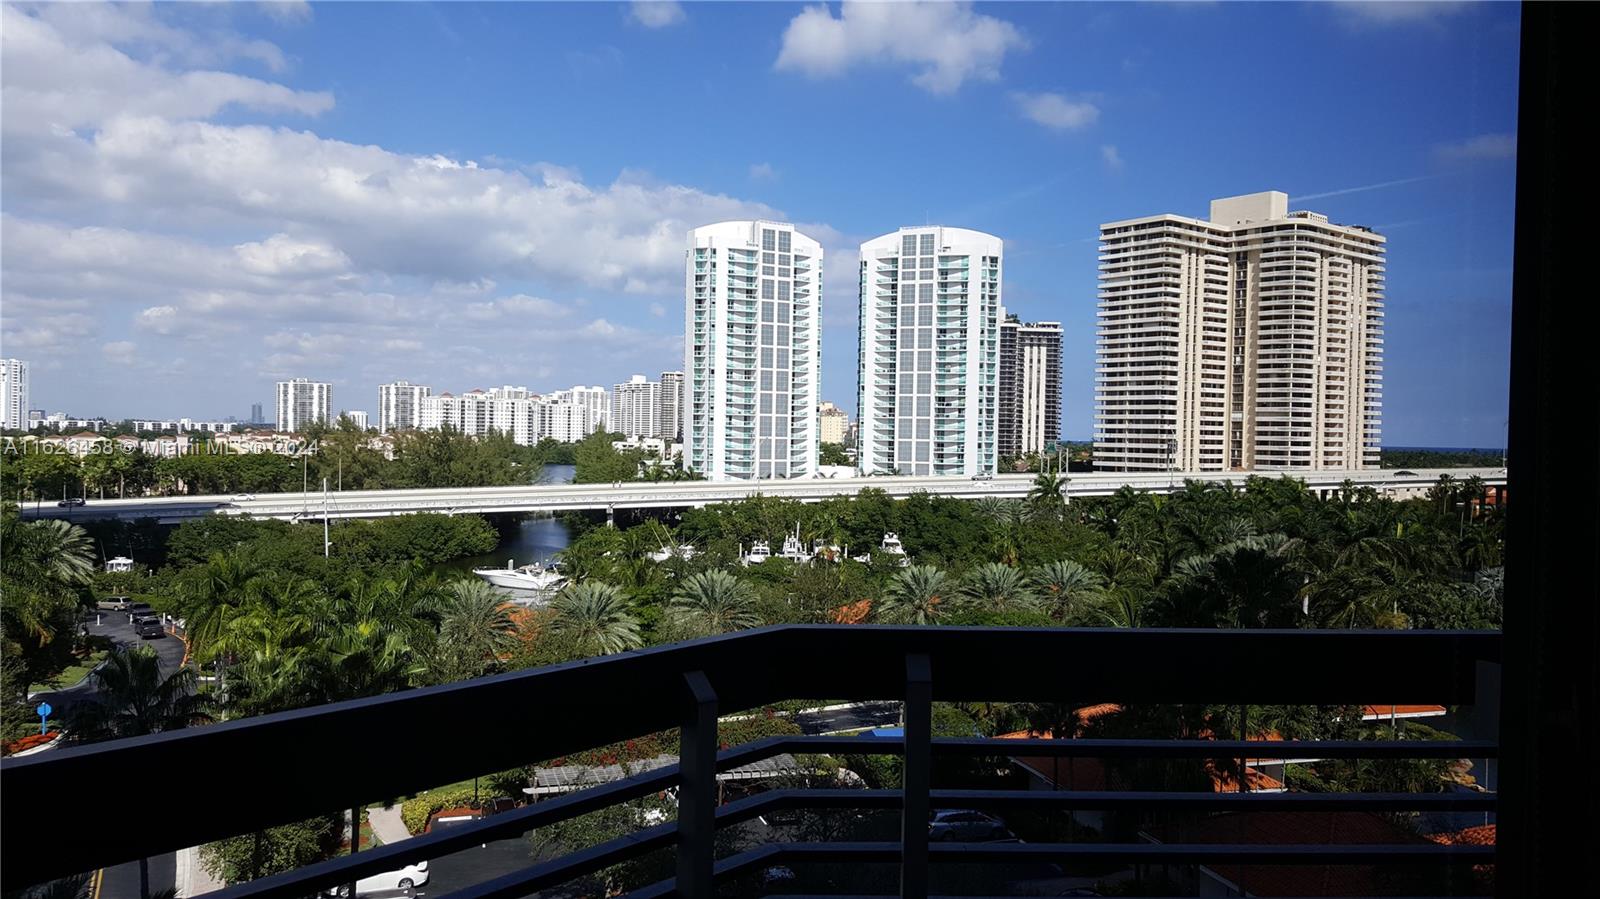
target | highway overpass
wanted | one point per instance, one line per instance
(688, 494)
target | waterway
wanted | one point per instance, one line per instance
(533, 539)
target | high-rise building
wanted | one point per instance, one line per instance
(672, 405)
(752, 293)
(13, 393)
(929, 352)
(476, 413)
(303, 401)
(400, 405)
(594, 401)
(357, 417)
(1249, 340)
(1030, 386)
(636, 408)
(831, 423)
(256, 415)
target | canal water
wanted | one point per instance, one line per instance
(528, 541)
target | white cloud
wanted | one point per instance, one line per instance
(947, 43)
(160, 319)
(402, 345)
(658, 310)
(762, 171)
(656, 13)
(1397, 12)
(1112, 157)
(1483, 146)
(1056, 111)
(599, 328)
(288, 11)
(119, 352)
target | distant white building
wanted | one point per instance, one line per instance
(183, 425)
(13, 393)
(476, 413)
(357, 417)
(302, 402)
(672, 405)
(400, 405)
(59, 421)
(119, 564)
(636, 408)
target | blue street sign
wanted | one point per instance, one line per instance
(44, 711)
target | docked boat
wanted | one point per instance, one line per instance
(759, 552)
(526, 577)
(794, 550)
(890, 546)
(673, 551)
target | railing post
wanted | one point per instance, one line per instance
(697, 790)
(915, 780)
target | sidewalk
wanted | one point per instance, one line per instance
(191, 878)
(387, 824)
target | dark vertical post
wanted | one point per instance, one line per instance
(1550, 709)
(144, 878)
(915, 780)
(697, 790)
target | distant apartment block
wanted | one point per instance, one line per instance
(1249, 340)
(1030, 386)
(672, 405)
(358, 417)
(62, 422)
(928, 368)
(476, 413)
(400, 405)
(752, 291)
(302, 402)
(182, 425)
(256, 415)
(13, 393)
(831, 423)
(636, 408)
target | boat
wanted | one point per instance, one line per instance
(890, 546)
(525, 577)
(759, 552)
(794, 550)
(673, 551)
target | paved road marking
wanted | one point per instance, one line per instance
(95, 882)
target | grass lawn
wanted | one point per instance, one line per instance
(79, 670)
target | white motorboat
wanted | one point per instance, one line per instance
(794, 550)
(891, 546)
(526, 577)
(673, 551)
(759, 552)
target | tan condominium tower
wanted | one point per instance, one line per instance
(1252, 340)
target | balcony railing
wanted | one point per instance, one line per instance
(550, 712)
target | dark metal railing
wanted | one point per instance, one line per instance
(298, 764)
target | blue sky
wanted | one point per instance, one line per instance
(201, 199)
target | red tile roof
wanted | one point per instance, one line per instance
(1382, 712)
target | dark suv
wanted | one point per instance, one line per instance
(149, 628)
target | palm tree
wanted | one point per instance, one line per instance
(999, 587)
(917, 595)
(1008, 518)
(1067, 589)
(475, 631)
(134, 699)
(595, 616)
(51, 553)
(1049, 493)
(210, 598)
(712, 602)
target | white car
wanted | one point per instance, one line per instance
(243, 496)
(404, 879)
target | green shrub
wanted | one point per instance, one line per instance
(416, 812)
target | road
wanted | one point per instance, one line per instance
(122, 881)
(690, 494)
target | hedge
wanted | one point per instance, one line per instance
(416, 812)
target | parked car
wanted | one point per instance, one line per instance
(113, 604)
(403, 879)
(965, 826)
(149, 628)
(71, 501)
(137, 610)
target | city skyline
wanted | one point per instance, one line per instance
(241, 274)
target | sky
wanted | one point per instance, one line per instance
(197, 200)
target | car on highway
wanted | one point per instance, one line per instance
(113, 604)
(71, 501)
(1405, 474)
(983, 476)
(149, 628)
(965, 826)
(243, 496)
(402, 879)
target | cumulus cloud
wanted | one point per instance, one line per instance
(1111, 157)
(160, 319)
(947, 43)
(1056, 111)
(762, 171)
(1483, 146)
(656, 13)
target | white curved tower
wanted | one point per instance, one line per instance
(751, 351)
(929, 359)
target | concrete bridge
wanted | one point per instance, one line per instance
(690, 494)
